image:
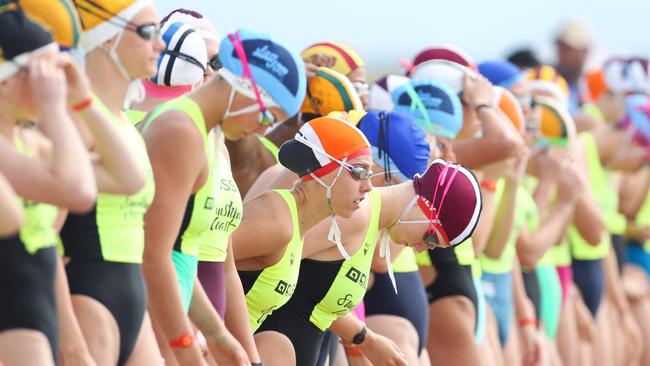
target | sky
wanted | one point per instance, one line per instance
(385, 31)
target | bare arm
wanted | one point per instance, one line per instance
(117, 171)
(68, 179)
(503, 221)
(236, 309)
(223, 347)
(11, 212)
(175, 175)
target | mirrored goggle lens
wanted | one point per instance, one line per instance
(215, 63)
(360, 172)
(148, 31)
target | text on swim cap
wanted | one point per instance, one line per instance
(272, 63)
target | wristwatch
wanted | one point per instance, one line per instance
(184, 341)
(257, 364)
(361, 336)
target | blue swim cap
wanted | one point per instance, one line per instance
(277, 69)
(501, 72)
(435, 107)
(397, 142)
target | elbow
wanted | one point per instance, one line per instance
(593, 238)
(511, 144)
(134, 184)
(526, 259)
(83, 199)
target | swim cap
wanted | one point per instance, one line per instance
(444, 52)
(628, 75)
(20, 38)
(397, 142)
(509, 105)
(184, 58)
(450, 73)
(637, 110)
(434, 106)
(593, 85)
(501, 72)
(59, 17)
(346, 59)
(380, 91)
(320, 140)
(277, 70)
(556, 125)
(330, 91)
(195, 20)
(450, 193)
(104, 19)
(547, 80)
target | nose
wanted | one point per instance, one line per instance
(158, 44)
(366, 186)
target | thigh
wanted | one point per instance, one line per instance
(275, 348)
(99, 329)
(146, 350)
(25, 347)
(451, 332)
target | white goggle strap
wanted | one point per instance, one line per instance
(334, 235)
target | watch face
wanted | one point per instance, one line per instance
(361, 336)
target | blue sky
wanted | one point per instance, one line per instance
(384, 31)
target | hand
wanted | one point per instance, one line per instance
(226, 350)
(79, 88)
(584, 321)
(477, 91)
(381, 351)
(530, 344)
(47, 83)
(77, 358)
(517, 170)
(321, 59)
(569, 184)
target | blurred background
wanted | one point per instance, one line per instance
(385, 31)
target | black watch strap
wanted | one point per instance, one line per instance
(361, 336)
(257, 364)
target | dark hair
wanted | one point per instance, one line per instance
(192, 13)
(524, 58)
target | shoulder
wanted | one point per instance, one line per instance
(268, 213)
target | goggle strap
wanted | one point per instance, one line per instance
(241, 52)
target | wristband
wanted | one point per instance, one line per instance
(353, 351)
(481, 106)
(184, 341)
(527, 321)
(257, 364)
(489, 185)
(82, 105)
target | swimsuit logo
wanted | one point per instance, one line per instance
(227, 218)
(347, 303)
(272, 63)
(284, 288)
(357, 277)
(209, 203)
(265, 314)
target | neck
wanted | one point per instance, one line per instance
(106, 80)
(212, 98)
(312, 204)
(393, 201)
(242, 151)
(284, 132)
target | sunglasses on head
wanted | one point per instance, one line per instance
(265, 117)
(214, 62)
(146, 31)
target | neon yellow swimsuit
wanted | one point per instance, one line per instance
(270, 146)
(606, 199)
(228, 206)
(351, 282)
(37, 232)
(274, 285)
(114, 229)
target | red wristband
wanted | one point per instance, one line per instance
(527, 321)
(184, 341)
(82, 105)
(353, 351)
(489, 185)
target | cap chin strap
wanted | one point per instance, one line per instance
(135, 92)
(384, 252)
(334, 234)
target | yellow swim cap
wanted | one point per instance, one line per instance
(57, 16)
(330, 91)
(346, 59)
